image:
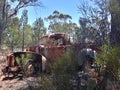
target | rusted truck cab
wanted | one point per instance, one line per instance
(52, 46)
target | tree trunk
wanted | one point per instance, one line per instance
(115, 24)
(23, 40)
(115, 29)
(3, 22)
(0, 41)
(1, 30)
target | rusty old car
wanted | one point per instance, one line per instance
(34, 58)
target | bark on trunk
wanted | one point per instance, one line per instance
(115, 29)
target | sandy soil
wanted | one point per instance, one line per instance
(31, 83)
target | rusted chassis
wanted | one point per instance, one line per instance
(25, 63)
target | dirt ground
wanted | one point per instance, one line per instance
(31, 83)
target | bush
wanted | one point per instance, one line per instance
(65, 65)
(47, 83)
(110, 60)
(62, 71)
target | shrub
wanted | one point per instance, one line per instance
(47, 83)
(63, 70)
(65, 65)
(110, 59)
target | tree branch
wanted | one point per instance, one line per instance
(23, 4)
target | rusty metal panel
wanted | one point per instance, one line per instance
(53, 53)
(10, 60)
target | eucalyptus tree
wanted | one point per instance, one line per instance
(23, 24)
(95, 20)
(12, 39)
(9, 9)
(58, 21)
(114, 7)
(28, 33)
(39, 29)
(104, 18)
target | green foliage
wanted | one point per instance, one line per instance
(12, 36)
(28, 36)
(9, 9)
(23, 59)
(114, 6)
(39, 29)
(47, 83)
(55, 83)
(59, 22)
(23, 24)
(62, 71)
(24, 18)
(110, 59)
(65, 65)
(62, 82)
